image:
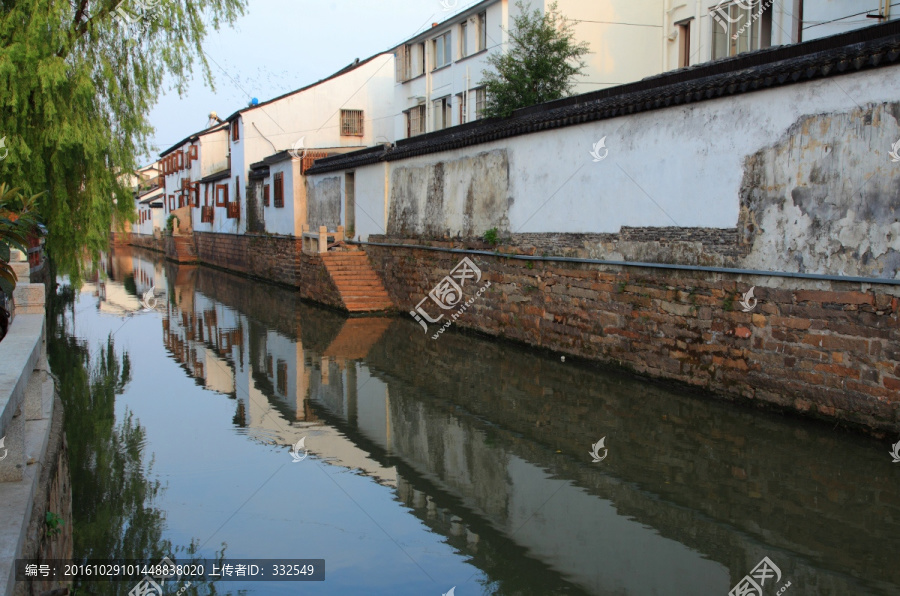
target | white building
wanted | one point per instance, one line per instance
(439, 72)
(185, 168)
(347, 111)
(704, 30)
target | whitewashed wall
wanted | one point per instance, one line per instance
(313, 116)
(797, 155)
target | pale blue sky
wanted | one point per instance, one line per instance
(280, 45)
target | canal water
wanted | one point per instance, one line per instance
(454, 466)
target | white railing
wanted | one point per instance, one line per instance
(318, 242)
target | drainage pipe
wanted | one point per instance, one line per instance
(730, 270)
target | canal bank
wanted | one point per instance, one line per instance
(464, 461)
(35, 487)
(813, 345)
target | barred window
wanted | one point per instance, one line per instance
(352, 123)
(279, 189)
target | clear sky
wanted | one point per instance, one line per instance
(280, 45)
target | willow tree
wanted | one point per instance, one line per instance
(540, 65)
(77, 81)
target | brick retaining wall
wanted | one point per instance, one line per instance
(273, 258)
(829, 350)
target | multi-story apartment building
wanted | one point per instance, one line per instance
(439, 72)
(705, 30)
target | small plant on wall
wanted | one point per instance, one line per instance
(492, 237)
(54, 524)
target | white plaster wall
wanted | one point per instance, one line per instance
(371, 200)
(680, 166)
(830, 17)
(312, 115)
(213, 153)
(282, 220)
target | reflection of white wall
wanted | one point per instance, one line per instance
(219, 376)
(590, 542)
(372, 407)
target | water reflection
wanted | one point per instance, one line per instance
(487, 446)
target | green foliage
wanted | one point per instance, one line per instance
(622, 285)
(170, 223)
(492, 237)
(542, 61)
(53, 523)
(17, 221)
(530, 265)
(77, 88)
(728, 303)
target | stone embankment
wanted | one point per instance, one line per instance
(825, 349)
(36, 516)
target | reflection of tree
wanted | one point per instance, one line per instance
(112, 489)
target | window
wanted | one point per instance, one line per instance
(417, 60)
(442, 56)
(193, 154)
(351, 123)
(265, 195)
(482, 32)
(206, 195)
(237, 188)
(415, 121)
(443, 113)
(684, 43)
(480, 101)
(171, 202)
(463, 39)
(401, 63)
(221, 195)
(736, 29)
(180, 156)
(235, 131)
(462, 107)
(282, 377)
(195, 190)
(279, 189)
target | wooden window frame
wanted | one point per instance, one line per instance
(265, 194)
(180, 157)
(235, 132)
(278, 192)
(223, 202)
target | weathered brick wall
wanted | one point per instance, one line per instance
(829, 350)
(146, 241)
(180, 248)
(273, 258)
